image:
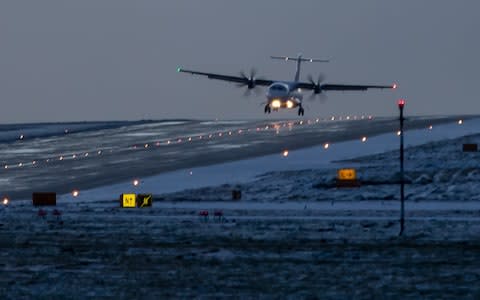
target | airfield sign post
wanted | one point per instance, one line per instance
(401, 104)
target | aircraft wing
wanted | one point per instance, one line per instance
(239, 79)
(342, 87)
(348, 87)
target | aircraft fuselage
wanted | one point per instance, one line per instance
(282, 95)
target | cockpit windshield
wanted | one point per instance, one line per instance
(278, 87)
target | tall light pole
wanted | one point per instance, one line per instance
(401, 104)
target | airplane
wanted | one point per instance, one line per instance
(287, 94)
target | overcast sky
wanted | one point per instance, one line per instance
(115, 59)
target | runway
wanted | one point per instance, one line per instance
(115, 152)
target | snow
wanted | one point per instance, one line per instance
(309, 158)
(292, 235)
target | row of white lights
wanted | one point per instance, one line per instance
(180, 140)
(173, 141)
(136, 182)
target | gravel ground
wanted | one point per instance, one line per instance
(100, 250)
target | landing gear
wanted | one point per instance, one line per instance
(267, 109)
(301, 112)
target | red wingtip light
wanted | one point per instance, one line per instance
(401, 103)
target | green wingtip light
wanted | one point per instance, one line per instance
(179, 69)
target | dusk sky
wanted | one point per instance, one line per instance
(116, 59)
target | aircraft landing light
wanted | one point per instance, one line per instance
(460, 122)
(276, 104)
(179, 69)
(75, 193)
(326, 145)
(5, 201)
(285, 153)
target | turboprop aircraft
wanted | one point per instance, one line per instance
(287, 94)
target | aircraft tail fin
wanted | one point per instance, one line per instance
(299, 59)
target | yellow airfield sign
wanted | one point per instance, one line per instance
(128, 200)
(346, 174)
(144, 200)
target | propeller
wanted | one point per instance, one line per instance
(317, 87)
(249, 82)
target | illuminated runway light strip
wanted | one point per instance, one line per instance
(290, 124)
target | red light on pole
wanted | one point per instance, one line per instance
(401, 103)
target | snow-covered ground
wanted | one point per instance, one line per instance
(323, 161)
(292, 235)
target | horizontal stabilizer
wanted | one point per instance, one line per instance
(287, 58)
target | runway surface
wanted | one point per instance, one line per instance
(65, 156)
